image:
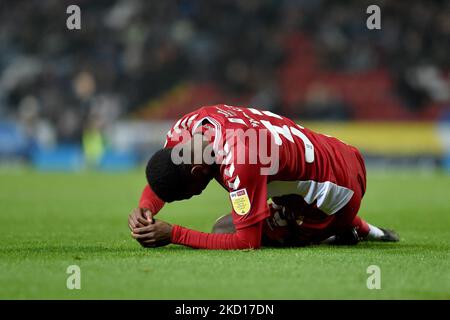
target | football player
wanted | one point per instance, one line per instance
(288, 185)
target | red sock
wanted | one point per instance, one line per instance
(362, 227)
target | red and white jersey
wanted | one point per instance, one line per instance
(285, 158)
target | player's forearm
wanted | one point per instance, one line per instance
(150, 200)
(248, 238)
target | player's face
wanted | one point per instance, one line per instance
(197, 184)
(195, 190)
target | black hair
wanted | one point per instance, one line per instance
(167, 179)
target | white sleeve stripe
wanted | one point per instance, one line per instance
(226, 147)
(176, 127)
(183, 123)
(191, 118)
(228, 159)
(235, 184)
(229, 171)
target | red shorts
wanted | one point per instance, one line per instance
(314, 225)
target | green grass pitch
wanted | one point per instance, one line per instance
(51, 221)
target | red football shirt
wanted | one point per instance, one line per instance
(264, 155)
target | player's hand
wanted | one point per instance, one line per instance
(133, 221)
(156, 234)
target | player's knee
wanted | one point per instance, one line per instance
(224, 225)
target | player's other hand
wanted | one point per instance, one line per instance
(133, 221)
(151, 235)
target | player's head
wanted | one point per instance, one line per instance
(172, 182)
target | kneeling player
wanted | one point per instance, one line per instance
(315, 182)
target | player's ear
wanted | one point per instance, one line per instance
(198, 170)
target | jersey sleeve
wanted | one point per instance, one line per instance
(245, 238)
(248, 195)
(150, 200)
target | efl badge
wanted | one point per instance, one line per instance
(240, 201)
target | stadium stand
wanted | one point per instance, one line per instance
(156, 60)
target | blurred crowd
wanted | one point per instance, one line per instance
(129, 53)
